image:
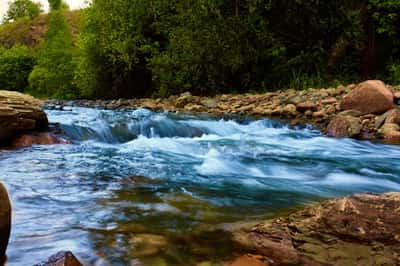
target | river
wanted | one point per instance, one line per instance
(155, 188)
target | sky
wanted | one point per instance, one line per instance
(74, 4)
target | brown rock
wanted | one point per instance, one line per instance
(20, 113)
(369, 97)
(329, 100)
(5, 221)
(344, 126)
(289, 110)
(62, 258)
(393, 116)
(390, 132)
(27, 140)
(358, 230)
(304, 106)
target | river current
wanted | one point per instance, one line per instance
(145, 188)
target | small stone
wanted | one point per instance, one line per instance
(329, 100)
(351, 112)
(290, 110)
(209, 103)
(304, 106)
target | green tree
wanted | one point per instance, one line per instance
(116, 41)
(55, 4)
(15, 65)
(21, 9)
(53, 75)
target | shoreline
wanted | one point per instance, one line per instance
(322, 108)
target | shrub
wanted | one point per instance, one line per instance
(15, 65)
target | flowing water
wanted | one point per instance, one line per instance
(153, 188)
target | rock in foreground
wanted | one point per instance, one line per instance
(363, 229)
(62, 258)
(20, 113)
(5, 222)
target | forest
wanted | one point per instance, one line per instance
(158, 48)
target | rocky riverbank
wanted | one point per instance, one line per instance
(363, 229)
(365, 111)
(20, 113)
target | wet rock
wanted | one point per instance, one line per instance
(358, 230)
(148, 244)
(27, 140)
(390, 132)
(20, 113)
(344, 126)
(62, 258)
(369, 97)
(5, 221)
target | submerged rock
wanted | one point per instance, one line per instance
(363, 229)
(62, 258)
(20, 113)
(369, 97)
(27, 140)
(5, 221)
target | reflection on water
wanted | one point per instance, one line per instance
(155, 188)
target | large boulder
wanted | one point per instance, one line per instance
(5, 221)
(20, 113)
(342, 126)
(363, 229)
(369, 97)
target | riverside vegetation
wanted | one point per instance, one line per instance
(139, 48)
(184, 131)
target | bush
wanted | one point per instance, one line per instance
(15, 65)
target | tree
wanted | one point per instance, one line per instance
(20, 9)
(55, 4)
(53, 75)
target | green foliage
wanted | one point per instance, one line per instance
(115, 43)
(21, 9)
(394, 70)
(55, 4)
(53, 75)
(15, 65)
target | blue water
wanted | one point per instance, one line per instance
(130, 172)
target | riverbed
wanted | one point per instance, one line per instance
(157, 188)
